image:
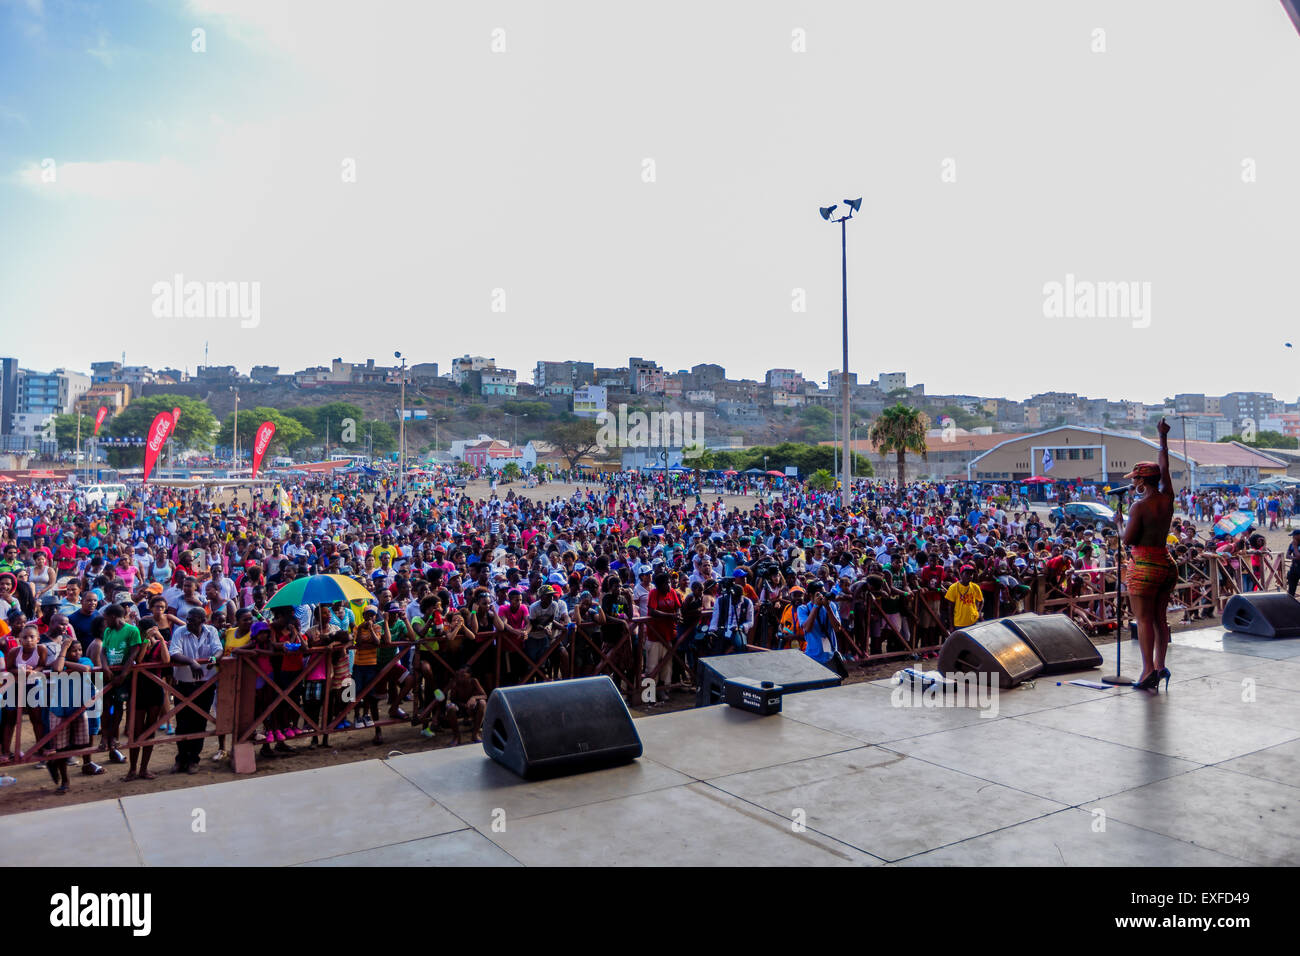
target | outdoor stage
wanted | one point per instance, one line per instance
(1198, 776)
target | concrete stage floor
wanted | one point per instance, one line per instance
(1063, 776)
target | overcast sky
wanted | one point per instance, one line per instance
(524, 170)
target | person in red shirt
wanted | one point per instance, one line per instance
(665, 607)
(65, 557)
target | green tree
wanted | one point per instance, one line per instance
(821, 480)
(815, 415)
(1263, 439)
(807, 459)
(511, 471)
(65, 429)
(574, 438)
(964, 419)
(289, 432)
(305, 417)
(383, 436)
(194, 430)
(698, 457)
(534, 410)
(337, 414)
(900, 429)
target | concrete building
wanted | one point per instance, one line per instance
(8, 393)
(615, 379)
(421, 373)
(460, 367)
(833, 380)
(104, 372)
(783, 379)
(589, 400)
(568, 373)
(1286, 423)
(1243, 406)
(707, 374)
(113, 396)
(1200, 428)
(889, 381)
(497, 381)
(740, 412)
(50, 393)
(645, 377)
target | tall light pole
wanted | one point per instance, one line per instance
(234, 433)
(854, 205)
(401, 432)
(516, 418)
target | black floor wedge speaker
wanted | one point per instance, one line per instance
(792, 671)
(1057, 641)
(1263, 614)
(989, 647)
(561, 727)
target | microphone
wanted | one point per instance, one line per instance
(1122, 489)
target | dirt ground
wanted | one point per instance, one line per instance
(34, 790)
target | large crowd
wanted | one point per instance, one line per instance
(631, 567)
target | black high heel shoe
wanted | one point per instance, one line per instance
(1150, 682)
(1164, 672)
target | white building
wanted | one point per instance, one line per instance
(892, 380)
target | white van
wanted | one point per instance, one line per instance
(106, 496)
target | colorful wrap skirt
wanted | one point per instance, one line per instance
(1150, 571)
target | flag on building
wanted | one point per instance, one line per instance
(1047, 459)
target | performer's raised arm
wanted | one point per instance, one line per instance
(1166, 482)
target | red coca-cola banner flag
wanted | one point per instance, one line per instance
(265, 432)
(99, 418)
(159, 432)
(176, 415)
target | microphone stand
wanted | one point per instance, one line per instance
(1119, 678)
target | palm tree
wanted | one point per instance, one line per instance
(900, 429)
(821, 480)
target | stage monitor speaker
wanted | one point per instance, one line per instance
(1057, 641)
(565, 726)
(1263, 614)
(989, 647)
(793, 671)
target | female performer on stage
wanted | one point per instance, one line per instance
(1151, 573)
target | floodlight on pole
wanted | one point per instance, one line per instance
(826, 211)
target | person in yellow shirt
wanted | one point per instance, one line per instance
(967, 598)
(238, 636)
(385, 547)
